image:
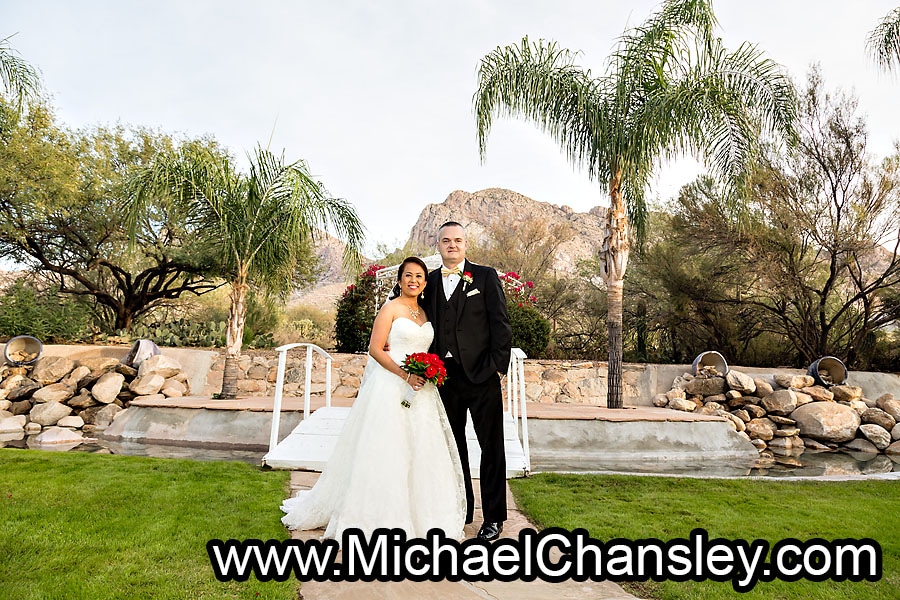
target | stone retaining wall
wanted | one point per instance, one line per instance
(546, 381)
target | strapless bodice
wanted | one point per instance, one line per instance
(407, 337)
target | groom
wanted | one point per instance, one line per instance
(467, 307)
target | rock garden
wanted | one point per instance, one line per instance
(783, 412)
(61, 400)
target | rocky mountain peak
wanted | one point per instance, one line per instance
(479, 212)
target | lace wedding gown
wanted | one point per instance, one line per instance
(392, 467)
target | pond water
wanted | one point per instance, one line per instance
(137, 449)
(797, 463)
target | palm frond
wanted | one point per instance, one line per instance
(19, 78)
(539, 81)
(883, 42)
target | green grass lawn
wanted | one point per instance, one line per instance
(78, 525)
(666, 508)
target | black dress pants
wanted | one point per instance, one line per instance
(485, 402)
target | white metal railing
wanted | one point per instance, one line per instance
(279, 385)
(516, 400)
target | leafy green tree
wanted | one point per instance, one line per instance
(670, 88)
(61, 194)
(257, 224)
(883, 42)
(817, 243)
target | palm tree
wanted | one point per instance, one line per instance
(883, 42)
(671, 88)
(258, 224)
(19, 78)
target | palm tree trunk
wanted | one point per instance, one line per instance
(234, 336)
(613, 257)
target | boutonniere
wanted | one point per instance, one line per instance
(466, 276)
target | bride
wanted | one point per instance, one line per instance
(392, 467)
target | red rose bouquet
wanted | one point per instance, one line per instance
(428, 366)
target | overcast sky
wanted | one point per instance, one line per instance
(377, 96)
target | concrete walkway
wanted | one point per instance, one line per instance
(448, 590)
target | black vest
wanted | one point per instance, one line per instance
(448, 312)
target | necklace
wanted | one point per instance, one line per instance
(414, 313)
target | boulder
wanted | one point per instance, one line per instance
(702, 386)
(32, 428)
(802, 398)
(100, 365)
(761, 429)
(818, 393)
(84, 399)
(780, 402)
(71, 421)
(660, 400)
(79, 377)
(876, 434)
(711, 408)
(13, 424)
(735, 423)
(878, 417)
(55, 392)
(812, 444)
(173, 388)
(890, 406)
(23, 389)
(107, 387)
(104, 417)
(675, 393)
(763, 387)
(755, 411)
(742, 414)
(89, 413)
(846, 393)
(149, 384)
(740, 382)
(787, 432)
(794, 381)
(50, 369)
(895, 432)
(857, 405)
(733, 395)
(49, 413)
(781, 420)
(860, 445)
(893, 449)
(682, 404)
(21, 407)
(827, 421)
(59, 435)
(161, 365)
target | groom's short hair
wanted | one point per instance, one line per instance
(451, 224)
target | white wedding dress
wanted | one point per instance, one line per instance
(392, 467)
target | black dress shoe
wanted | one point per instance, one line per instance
(490, 531)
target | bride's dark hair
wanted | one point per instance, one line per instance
(395, 292)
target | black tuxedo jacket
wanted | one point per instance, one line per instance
(483, 332)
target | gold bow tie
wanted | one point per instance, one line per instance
(445, 271)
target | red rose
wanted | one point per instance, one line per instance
(430, 371)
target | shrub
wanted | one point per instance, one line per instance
(44, 314)
(356, 312)
(530, 331)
